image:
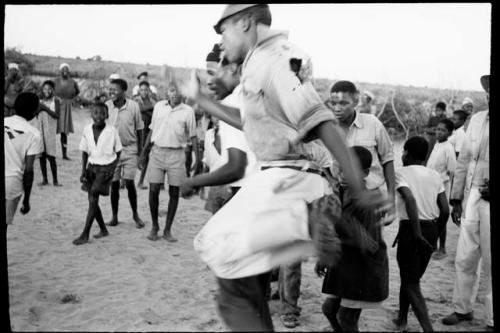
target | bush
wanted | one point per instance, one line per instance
(26, 66)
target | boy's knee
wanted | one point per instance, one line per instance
(173, 191)
(330, 306)
(154, 188)
(129, 184)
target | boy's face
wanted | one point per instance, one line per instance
(439, 112)
(115, 92)
(47, 91)
(233, 38)
(457, 121)
(143, 91)
(442, 132)
(343, 104)
(223, 82)
(173, 95)
(99, 115)
(65, 71)
(467, 108)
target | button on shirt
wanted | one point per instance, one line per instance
(367, 131)
(473, 165)
(279, 107)
(126, 119)
(172, 128)
(108, 144)
(425, 185)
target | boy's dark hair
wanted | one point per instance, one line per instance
(99, 104)
(259, 13)
(344, 86)
(50, 83)
(417, 147)
(26, 105)
(364, 156)
(441, 106)
(144, 83)
(121, 82)
(461, 114)
(448, 124)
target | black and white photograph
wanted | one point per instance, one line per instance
(247, 167)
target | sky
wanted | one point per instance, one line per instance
(434, 45)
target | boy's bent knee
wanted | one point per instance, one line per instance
(155, 188)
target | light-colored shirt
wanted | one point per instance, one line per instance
(279, 107)
(368, 131)
(425, 185)
(473, 165)
(126, 119)
(457, 138)
(20, 140)
(104, 151)
(135, 90)
(211, 157)
(443, 160)
(172, 128)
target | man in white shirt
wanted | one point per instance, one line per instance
(172, 125)
(458, 136)
(471, 211)
(22, 143)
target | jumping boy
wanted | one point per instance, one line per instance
(423, 210)
(22, 143)
(360, 280)
(101, 148)
(443, 160)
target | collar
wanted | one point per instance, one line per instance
(358, 122)
(265, 35)
(124, 106)
(178, 107)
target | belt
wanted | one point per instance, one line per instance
(315, 171)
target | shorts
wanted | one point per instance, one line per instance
(96, 180)
(11, 208)
(413, 262)
(166, 160)
(127, 166)
(13, 187)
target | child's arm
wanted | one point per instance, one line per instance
(85, 158)
(145, 151)
(444, 211)
(28, 177)
(412, 211)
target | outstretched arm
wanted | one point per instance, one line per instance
(28, 182)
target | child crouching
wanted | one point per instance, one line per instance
(101, 147)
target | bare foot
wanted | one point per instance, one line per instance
(400, 325)
(142, 186)
(169, 238)
(81, 240)
(438, 255)
(139, 224)
(113, 223)
(43, 183)
(101, 234)
(57, 184)
(153, 235)
(66, 158)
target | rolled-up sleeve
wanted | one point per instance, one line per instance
(385, 147)
(139, 124)
(83, 143)
(191, 124)
(299, 102)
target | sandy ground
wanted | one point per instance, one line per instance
(127, 283)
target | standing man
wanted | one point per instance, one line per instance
(143, 77)
(172, 125)
(22, 143)
(468, 107)
(266, 223)
(470, 198)
(430, 130)
(14, 85)
(365, 130)
(125, 115)
(458, 136)
(365, 103)
(146, 104)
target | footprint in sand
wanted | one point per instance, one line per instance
(150, 317)
(139, 259)
(34, 314)
(70, 298)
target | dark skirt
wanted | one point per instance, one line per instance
(65, 121)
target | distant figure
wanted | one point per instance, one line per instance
(458, 136)
(365, 103)
(468, 107)
(443, 160)
(101, 148)
(46, 122)
(22, 143)
(66, 89)
(430, 131)
(146, 103)
(423, 210)
(143, 77)
(14, 85)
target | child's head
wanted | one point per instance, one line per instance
(144, 89)
(444, 130)
(99, 113)
(365, 158)
(459, 118)
(173, 93)
(26, 105)
(440, 109)
(48, 88)
(344, 97)
(415, 150)
(117, 89)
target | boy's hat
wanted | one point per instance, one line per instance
(369, 94)
(467, 100)
(485, 82)
(229, 11)
(61, 66)
(114, 76)
(13, 65)
(214, 55)
(143, 73)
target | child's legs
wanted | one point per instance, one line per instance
(154, 198)
(156, 178)
(330, 307)
(442, 236)
(43, 166)
(348, 319)
(53, 167)
(418, 305)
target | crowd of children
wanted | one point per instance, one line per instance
(270, 152)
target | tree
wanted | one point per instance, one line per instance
(26, 66)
